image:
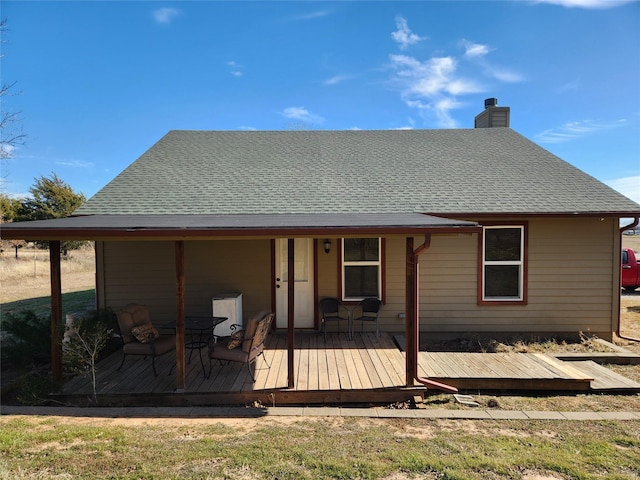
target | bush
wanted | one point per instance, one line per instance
(28, 338)
(86, 336)
(34, 388)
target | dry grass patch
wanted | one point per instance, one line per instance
(28, 276)
(385, 449)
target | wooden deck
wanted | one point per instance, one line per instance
(503, 371)
(364, 370)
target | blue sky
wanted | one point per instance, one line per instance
(100, 82)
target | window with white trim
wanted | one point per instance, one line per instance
(361, 268)
(503, 263)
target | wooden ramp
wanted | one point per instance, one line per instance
(503, 371)
(606, 380)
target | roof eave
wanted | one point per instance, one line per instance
(97, 234)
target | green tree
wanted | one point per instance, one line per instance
(51, 198)
(8, 208)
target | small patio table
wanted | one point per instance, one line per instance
(198, 326)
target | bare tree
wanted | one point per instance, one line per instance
(11, 134)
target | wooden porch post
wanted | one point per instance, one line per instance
(410, 313)
(180, 292)
(290, 311)
(56, 308)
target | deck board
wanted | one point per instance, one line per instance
(302, 363)
(372, 347)
(328, 371)
(606, 380)
(313, 382)
(368, 363)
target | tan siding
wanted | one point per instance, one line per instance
(141, 272)
(228, 266)
(144, 272)
(328, 270)
(569, 282)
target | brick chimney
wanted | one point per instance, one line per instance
(493, 115)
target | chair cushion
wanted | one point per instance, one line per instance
(235, 340)
(144, 333)
(220, 351)
(132, 315)
(250, 331)
(160, 345)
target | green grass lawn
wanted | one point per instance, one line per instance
(268, 448)
(71, 302)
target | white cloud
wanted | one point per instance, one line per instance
(6, 150)
(301, 114)
(504, 75)
(573, 130)
(473, 50)
(628, 186)
(337, 79)
(431, 86)
(569, 86)
(236, 68)
(165, 15)
(591, 4)
(476, 52)
(74, 163)
(403, 35)
(431, 78)
(312, 15)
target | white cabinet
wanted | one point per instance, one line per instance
(227, 305)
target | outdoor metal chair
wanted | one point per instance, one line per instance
(140, 337)
(246, 345)
(333, 310)
(369, 309)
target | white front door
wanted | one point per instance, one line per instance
(303, 274)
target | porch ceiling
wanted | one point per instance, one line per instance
(99, 227)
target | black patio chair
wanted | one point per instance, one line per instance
(369, 309)
(333, 310)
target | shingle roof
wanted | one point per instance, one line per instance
(458, 171)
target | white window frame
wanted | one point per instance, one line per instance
(520, 263)
(363, 263)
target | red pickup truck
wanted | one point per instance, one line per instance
(630, 270)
